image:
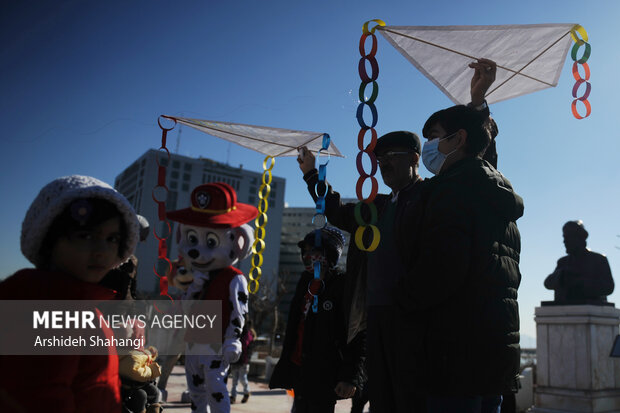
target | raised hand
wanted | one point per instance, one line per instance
(306, 160)
(484, 76)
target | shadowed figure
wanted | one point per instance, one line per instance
(582, 276)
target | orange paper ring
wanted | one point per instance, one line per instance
(373, 139)
(360, 186)
(576, 73)
(373, 48)
(576, 113)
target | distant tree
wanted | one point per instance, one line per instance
(264, 311)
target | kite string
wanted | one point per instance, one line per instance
(464, 55)
(367, 149)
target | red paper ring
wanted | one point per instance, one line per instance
(169, 266)
(373, 191)
(153, 193)
(167, 117)
(576, 74)
(373, 49)
(576, 113)
(576, 89)
(374, 65)
(360, 165)
(373, 139)
(167, 153)
(157, 237)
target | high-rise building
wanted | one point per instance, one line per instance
(296, 223)
(183, 174)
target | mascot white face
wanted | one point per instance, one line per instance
(205, 249)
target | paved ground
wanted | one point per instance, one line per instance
(262, 399)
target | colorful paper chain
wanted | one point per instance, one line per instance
(162, 249)
(260, 222)
(319, 219)
(583, 41)
(367, 149)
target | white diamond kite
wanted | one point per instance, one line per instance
(529, 57)
(269, 141)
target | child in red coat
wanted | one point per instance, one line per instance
(76, 230)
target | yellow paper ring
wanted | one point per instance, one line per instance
(376, 238)
(253, 287)
(273, 162)
(258, 273)
(372, 31)
(264, 190)
(263, 206)
(578, 29)
(267, 173)
(258, 249)
(260, 260)
(259, 232)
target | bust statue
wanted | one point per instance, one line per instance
(582, 276)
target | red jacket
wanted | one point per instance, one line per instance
(218, 289)
(63, 384)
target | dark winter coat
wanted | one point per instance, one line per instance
(461, 287)
(326, 357)
(342, 216)
(58, 383)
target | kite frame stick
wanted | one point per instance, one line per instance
(246, 137)
(530, 62)
(475, 58)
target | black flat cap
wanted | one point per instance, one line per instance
(399, 138)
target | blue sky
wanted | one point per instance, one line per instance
(83, 83)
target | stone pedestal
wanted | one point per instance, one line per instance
(574, 370)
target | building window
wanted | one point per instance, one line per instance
(253, 181)
(174, 174)
(176, 164)
(185, 186)
(186, 177)
(163, 161)
(187, 167)
(173, 185)
(251, 200)
(171, 201)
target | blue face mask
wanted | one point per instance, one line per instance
(431, 157)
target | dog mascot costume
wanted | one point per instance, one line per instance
(213, 235)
